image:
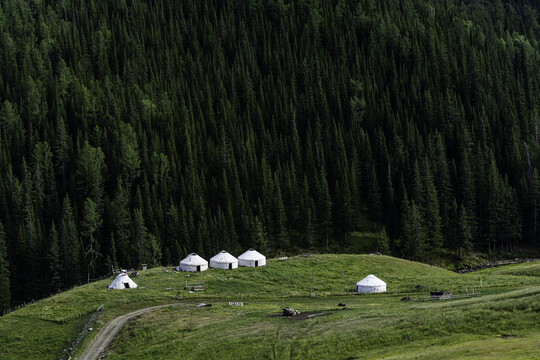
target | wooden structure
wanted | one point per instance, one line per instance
(196, 286)
(441, 295)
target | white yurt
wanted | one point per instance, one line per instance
(193, 263)
(252, 258)
(123, 281)
(224, 260)
(371, 284)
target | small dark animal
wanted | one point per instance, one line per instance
(341, 304)
(405, 298)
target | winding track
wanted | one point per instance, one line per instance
(111, 329)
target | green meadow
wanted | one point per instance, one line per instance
(501, 322)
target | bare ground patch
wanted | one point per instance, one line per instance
(307, 314)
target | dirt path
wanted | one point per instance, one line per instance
(110, 330)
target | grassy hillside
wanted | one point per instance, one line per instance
(372, 327)
(523, 269)
(373, 322)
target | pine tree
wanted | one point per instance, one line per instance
(5, 289)
(464, 236)
(534, 196)
(173, 235)
(112, 259)
(441, 176)
(90, 224)
(54, 259)
(414, 232)
(432, 215)
(62, 150)
(148, 250)
(185, 233)
(91, 165)
(130, 159)
(140, 236)
(383, 242)
(203, 233)
(310, 231)
(72, 248)
(281, 233)
(467, 184)
(258, 236)
(326, 208)
(121, 220)
(44, 184)
(232, 235)
(374, 195)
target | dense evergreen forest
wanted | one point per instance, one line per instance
(138, 131)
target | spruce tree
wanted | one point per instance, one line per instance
(534, 198)
(5, 288)
(121, 220)
(280, 233)
(432, 215)
(413, 231)
(91, 165)
(54, 259)
(89, 226)
(61, 150)
(464, 235)
(72, 247)
(258, 236)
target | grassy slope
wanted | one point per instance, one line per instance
(375, 326)
(373, 322)
(523, 269)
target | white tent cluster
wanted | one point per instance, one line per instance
(222, 260)
(122, 281)
(371, 284)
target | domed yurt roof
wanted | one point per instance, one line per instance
(223, 257)
(193, 260)
(371, 280)
(252, 255)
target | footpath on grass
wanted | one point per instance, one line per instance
(111, 329)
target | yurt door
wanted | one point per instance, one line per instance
(126, 285)
(256, 263)
(230, 265)
(198, 268)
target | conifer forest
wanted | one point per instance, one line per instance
(137, 131)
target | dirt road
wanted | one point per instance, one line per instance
(111, 329)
